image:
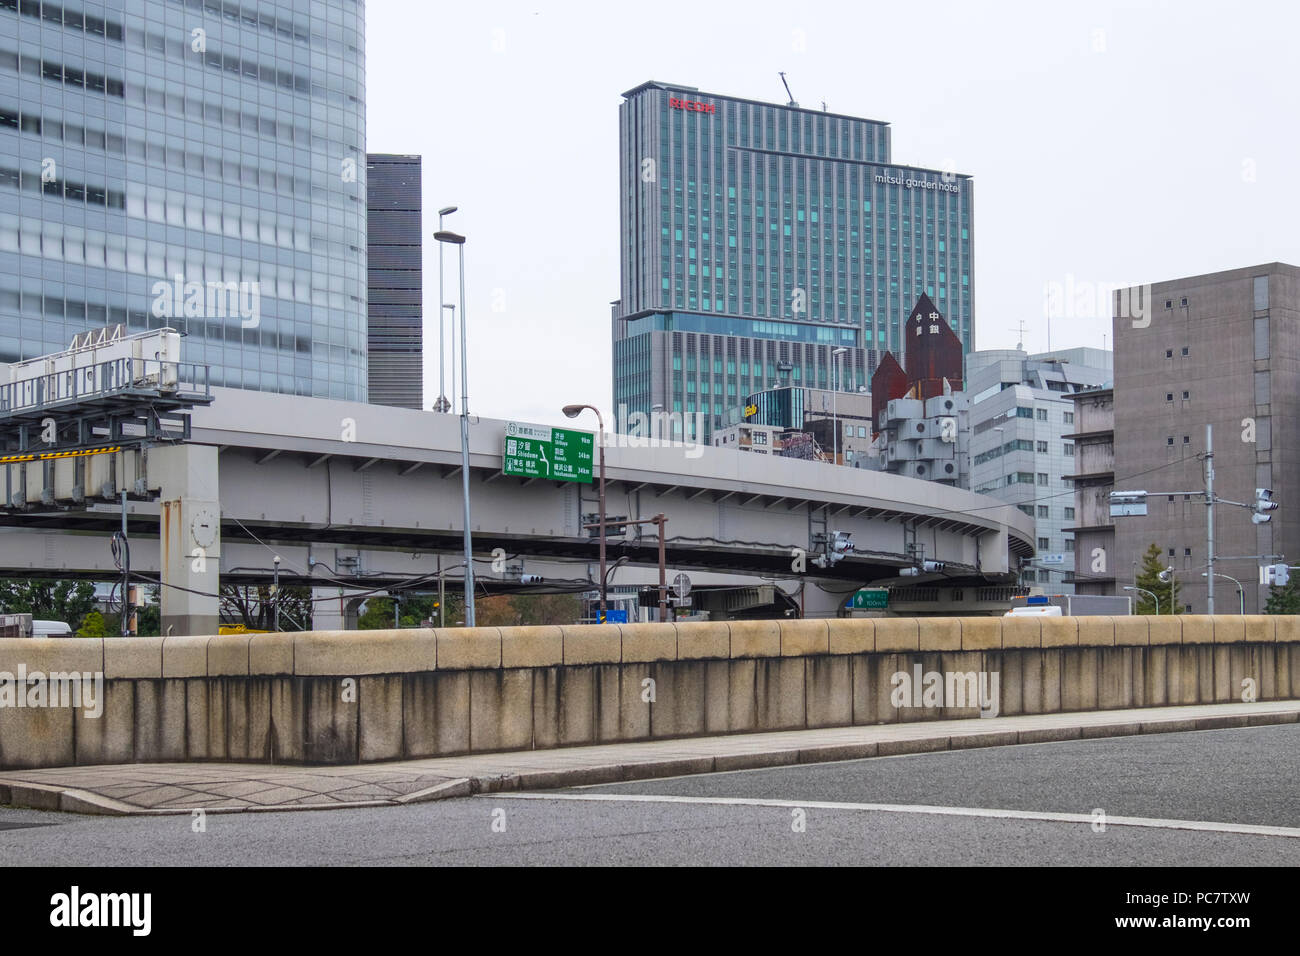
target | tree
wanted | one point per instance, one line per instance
(512, 610)
(92, 626)
(417, 610)
(1168, 592)
(254, 607)
(68, 601)
(1284, 599)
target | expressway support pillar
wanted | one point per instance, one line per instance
(190, 537)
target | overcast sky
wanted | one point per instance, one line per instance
(1111, 143)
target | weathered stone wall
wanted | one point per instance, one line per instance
(356, 696)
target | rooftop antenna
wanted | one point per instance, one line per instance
(787, 91)
(823, 106)
(1020, 331)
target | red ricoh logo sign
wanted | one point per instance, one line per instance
(693, 106)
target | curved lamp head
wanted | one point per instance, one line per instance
(448, 236)
(572, 411)
(447, 210)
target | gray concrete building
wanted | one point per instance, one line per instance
(1221, 349)
(924, 438)
(1093, 479)
(394, 278)
(1020, 406)
(819, 412)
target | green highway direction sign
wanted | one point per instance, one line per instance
(540, 451)
(870, 599)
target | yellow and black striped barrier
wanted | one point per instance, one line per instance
(51, 455)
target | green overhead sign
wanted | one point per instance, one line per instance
(540, 451)
(870, 599)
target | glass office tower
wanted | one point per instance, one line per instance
(757, 240)
(188, 163)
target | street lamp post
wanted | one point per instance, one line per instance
(442, 405)
(459, 242)
(573, 411)
(449, 307)
(275, 592)
(1241, 592)
(1171, 576)
(835, 406)
(1145, 591)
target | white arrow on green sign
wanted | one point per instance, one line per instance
(871, 599)
(540, 451)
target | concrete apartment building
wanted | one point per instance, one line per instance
(1020, 406)
(1221, 349)
(1093, 479)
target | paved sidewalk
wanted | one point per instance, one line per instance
(248, 787)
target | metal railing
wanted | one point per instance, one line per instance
(105, 379)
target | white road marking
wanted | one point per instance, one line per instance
(1246, 829)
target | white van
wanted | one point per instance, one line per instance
(50, 629)
(1035, 610)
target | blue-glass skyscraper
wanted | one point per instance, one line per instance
(756, 240)
(198, 164)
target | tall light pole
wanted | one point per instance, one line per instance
(1171, 576)
(573, 411)
(459, 242)
(835, 406)
(1145, 591)
(1241, 593)
(442, 405)
(275, 592)
(448, 307)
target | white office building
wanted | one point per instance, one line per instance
(1020, 406)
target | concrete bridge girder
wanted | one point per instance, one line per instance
(313, 470)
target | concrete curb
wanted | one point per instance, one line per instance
(45, 797)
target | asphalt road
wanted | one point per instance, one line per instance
(936, 809)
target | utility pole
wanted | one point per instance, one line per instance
(1209, 518)
(1134, 503)
(442, 597)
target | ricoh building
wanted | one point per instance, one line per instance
(765, 245)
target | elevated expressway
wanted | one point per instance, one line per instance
(369, 495)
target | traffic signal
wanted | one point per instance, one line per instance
(838, 544)
(1264, 503)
